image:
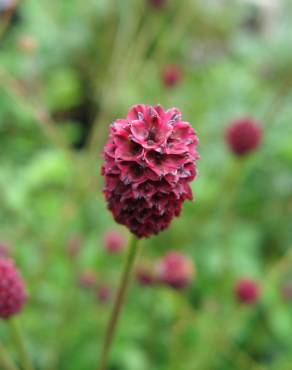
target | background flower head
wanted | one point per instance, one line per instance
(247, 291)
(176, 269)
(114, 241)
(13, 293)
(244, 136)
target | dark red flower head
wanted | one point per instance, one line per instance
(172, 75)
(176, 270)
(12, 290)
(244, 136)
(157, 4)
(247, 291)
(114, 241)
(150, 159)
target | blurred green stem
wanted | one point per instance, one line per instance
(5, 359)
(119, 300)
(21, 345)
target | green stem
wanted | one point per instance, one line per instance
(5, 359)
(119, 300)
(21, 345)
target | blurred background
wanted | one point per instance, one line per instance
(67, 70)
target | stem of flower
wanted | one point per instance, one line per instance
(5, 359)
(21, 345)
(118, 303)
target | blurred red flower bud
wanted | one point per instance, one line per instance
(12, 289)
(176, 269)
(172, 75)
(103, 293)
(114, 241)
(247, 291)
(244, 136)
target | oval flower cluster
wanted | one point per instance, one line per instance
(247, 291)
(150, 159)
(244, 136)
(176, 270)
(12, 290)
